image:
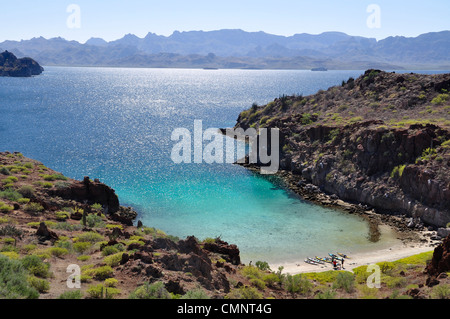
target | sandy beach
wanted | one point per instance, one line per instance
(391, 254)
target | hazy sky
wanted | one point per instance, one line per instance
(112, 19)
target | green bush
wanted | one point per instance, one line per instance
(345, 280)
(13, 280)
(91, 237)
(73, 294)
(441, 292)
(151, 291)
(244, 293)
(100, 273)
(58, 251)
(40, 285)
(33, 208)
(6, 208)
(113, 260)
(297, 284)
(81, 247)
(93, 220)
(10, 194)
(198, 293)
(26, 191)
(36, 266)
(101, 292)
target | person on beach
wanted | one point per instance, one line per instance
(342, 263)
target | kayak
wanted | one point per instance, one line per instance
(327, 260)
(336, 257)
(343, 255)
(315, 260)
(311, 262)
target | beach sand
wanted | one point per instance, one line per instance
(393, 253)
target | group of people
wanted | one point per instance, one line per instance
(335, 265)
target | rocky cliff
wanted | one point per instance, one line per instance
(10, 65)
(381, 140)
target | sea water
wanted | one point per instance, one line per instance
(115, 124)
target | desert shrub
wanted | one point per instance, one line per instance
(327, 294)
(345, 280)
(33, 208)
(252, 272)
(262, 265)
(10, 194)
(23, 200)
(6, 208)
(10, 230)
(101, 292)
(39, 284)
(59, 251)
(198, 293)
(297, 284)
(112, 226)
(54, 177)
(93, 220)
(5, 171)
(36, 266)
(440, 99)
(258, 283)
(113, 260)
(72, 294)
(83, 258)
(244, 293)
(111, 250)
(100, 273)
(111, 282)
(26, 191)
(81, 247)
(441, 292)
(397, 171)
(156, 290)
(13, 280)
(62, 215)
(91, 237)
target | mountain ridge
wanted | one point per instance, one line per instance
(236, 48)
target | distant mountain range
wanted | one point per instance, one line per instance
(241, 49)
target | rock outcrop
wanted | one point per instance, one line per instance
(440, 263)
(90, 192)
(10, 65)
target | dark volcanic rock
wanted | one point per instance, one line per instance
(44, 233)
(92, 192)
(10, 65)
(441, 259)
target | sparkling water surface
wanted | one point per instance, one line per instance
(115, 124)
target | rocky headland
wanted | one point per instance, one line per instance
(379, 143)
(11, 66)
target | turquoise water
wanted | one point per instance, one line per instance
(116, 124)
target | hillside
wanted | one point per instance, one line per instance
(381, 140)
(241, 49)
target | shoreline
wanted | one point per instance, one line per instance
(393, 253)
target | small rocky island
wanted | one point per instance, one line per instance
(11, 66)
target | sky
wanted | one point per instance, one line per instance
(82, 19)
